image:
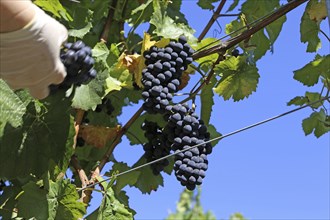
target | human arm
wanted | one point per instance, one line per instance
(30, 43)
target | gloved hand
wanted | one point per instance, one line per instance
(30, 57)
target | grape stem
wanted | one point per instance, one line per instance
(206, 81)
(82, 176)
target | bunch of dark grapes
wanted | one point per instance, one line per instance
(106, 106)
(78, 61)
(162, 75)
(155, 148)
(183, 131)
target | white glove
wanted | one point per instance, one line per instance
(30, 57)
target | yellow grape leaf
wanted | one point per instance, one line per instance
(98, 136)
(318, 11)
(129, 62)
(147, 43)
(162, 42)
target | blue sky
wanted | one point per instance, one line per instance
(269, 172)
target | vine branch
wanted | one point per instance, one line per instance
(106, 28)
(215, 15)
(223, 46)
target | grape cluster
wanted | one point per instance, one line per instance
(106, 106)
(184, 130)
(162, 75)
(155, 148)
(78, 61)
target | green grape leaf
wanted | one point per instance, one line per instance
(259, 43)
(89, 96)
(207, 61)
(8, 201)
(100, 53)
(147, 181)
(309, 29)
(233, 5)
(309, 74)
(42, 137)
(141, 14)
(316, 123)
(63, 198)
(112, 208)
(213, 134)
(165, 26)
(121, 181)
(207, 101)
(298, 100)
(59, 201)
(112, 84)
(55, 7)
(33, 202)
(239, 79)
(12, 108)
(237, 216)
(309, 97)
(312, 97)
(80, 33)
(206, 4)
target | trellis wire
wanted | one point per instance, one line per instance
(214, 139)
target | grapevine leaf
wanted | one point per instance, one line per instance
(12, 108)
(165, 25)
(112, 84)
(63, 198)
(207, 61)
(8, 201)
(173, 10)
(88, 96)
(237, 216)
(112, 208)
(309, 97)
(298, 100)
(55, 7)
(312, 97)
(100, 53)
(309, 74)
(60, 202)
(318, 11)
(309, 29)
(80, 33)
(33, 202)
(206, 4)
(142, 13)
(259, 43)
(98, 136)
(316, 123)
(213, 134)
(147, 181)
(121, 181)
(42, 137)
(168, 169)
(239, 79)
(207, 101)
(233, 5)
(122, 74)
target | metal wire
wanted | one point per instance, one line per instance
(214, 139)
